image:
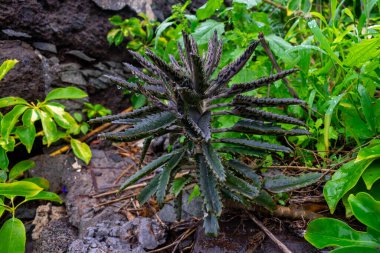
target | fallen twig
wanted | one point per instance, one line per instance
(282, 246)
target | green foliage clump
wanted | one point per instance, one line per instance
(184, 101)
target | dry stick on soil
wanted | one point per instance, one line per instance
(275, 64)
(114, 200)
(182, 237)
(269, 234)
(104, 194)
(87, 136)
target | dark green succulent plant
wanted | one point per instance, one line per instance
(183, 96)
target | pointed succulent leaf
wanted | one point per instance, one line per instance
(148, 126)
(174, 62)
(256, 127)
(283, 183)
(188, 50)
(211, 54)
(157, 91)
(238, 150)
(264, 199)
(211, 225)
(260, 102)
(213, 161)
(241, 186)
(138, 113)
(245, 87)
(183, 58)
(149, 190)
(245, 171)
(166, 68)
(145, 63)
(234, 196)
(192, 129)
(135, 71)
(165, 176)
(204, 124)
(149, 168)
(232, 69)
(198, 76)
(208, 187)
(144, 150)
(267, 116)
(256, 145)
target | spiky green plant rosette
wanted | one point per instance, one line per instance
(183, 96)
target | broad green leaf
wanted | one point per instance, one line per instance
(213, 161)
(194, 194)
(333, 102)
(65, 93)
(6, 66)
(27, 135)
(2, 209)
(12, 236)
(81, 150)
(148, 190)
(368, 153)
(20, 168)
(366, 209)
(3, 176)
(205, 31)
(326, 232)
(9, 101)
(342, 181)
(299, 5)
(149, 168)
(138, 101)
(4, 162)
(282, 183)
(178, 185)
(208, 9)
(40, 181)
(368, 109)
(249, 3)
(160, 29)
(325, 44)
(165, 176)
(10, 119)
(355, 249)
(371, 174)
(49, 127)
(362, 52)
(44, 195)
(20, 188)
(29, 117)
(63, 119)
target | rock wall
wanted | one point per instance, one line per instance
(63, 42)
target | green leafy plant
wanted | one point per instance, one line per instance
(95, 110)
(56, 123)
(13, 194)
(184, 101)
(357, 184)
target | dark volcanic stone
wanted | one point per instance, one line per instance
(56, 237)
(26, 78)
(79, 25)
